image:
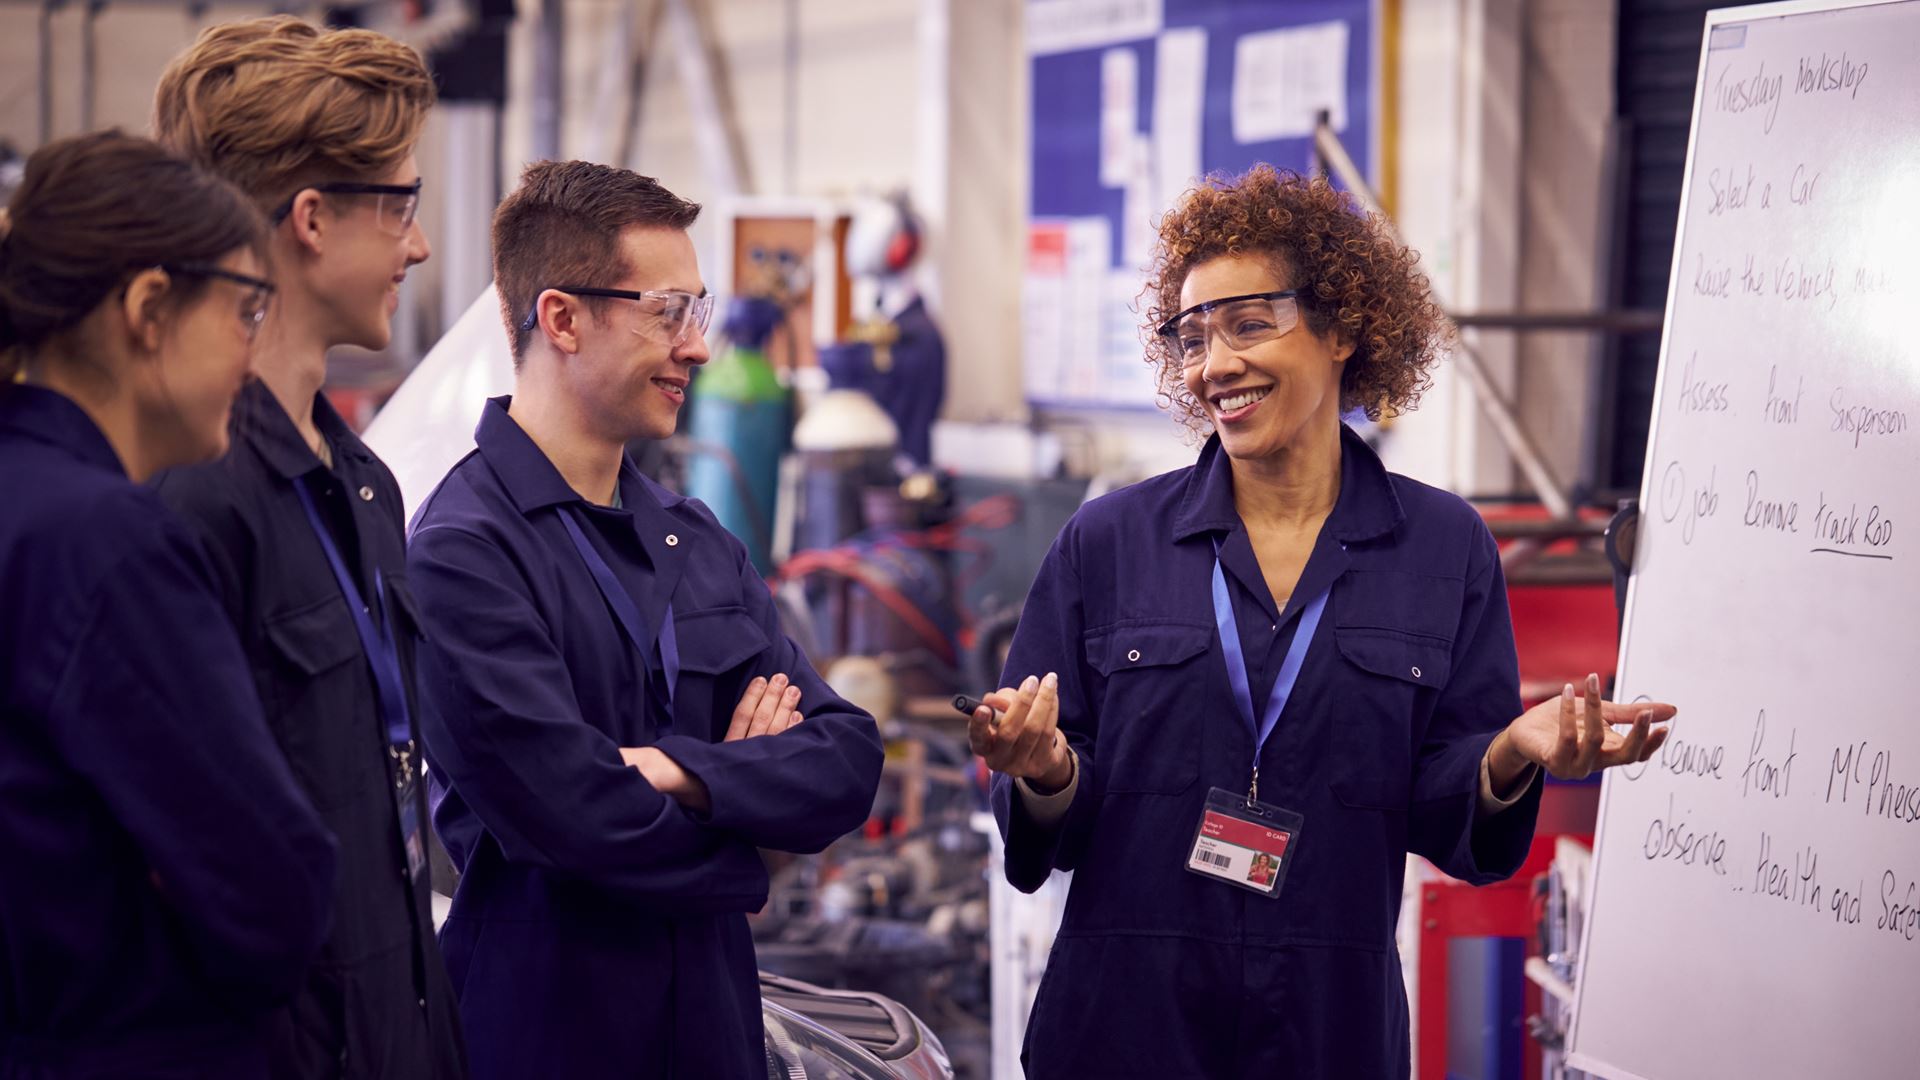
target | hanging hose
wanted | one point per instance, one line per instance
(859, 562)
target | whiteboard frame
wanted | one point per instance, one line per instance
(1716, 18)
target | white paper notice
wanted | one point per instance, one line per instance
(1137, 208)
(1283, 78)
(1043, 305)
(1057, 26)
(1179, 106)
(1119, 114)
(1089, 254)
(1126, 380)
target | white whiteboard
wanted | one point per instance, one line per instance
(1756, 911)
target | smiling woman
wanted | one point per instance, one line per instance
(1284, 638)
(1346, 269)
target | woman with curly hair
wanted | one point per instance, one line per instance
(1283, 653)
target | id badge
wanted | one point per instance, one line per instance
(412, 840)
(1243, 843)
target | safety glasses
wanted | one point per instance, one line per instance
(394, 204)
(256, 294)
(1242, 321)
(669, 315)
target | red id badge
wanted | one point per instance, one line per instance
(1244, 843)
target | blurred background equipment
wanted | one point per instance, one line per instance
(905, 369)
(740, 426)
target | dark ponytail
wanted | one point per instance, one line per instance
(92, 210)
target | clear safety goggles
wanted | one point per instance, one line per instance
(394, 204)
(1242, 321)
(669, 316)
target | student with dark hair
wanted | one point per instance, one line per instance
(303, 524)
(163, 882)
(614, 717)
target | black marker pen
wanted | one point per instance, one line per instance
(967, 705)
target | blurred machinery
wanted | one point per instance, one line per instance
(741, 411)
(901, 909)
(904, 363)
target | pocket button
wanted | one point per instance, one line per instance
(1133, 656)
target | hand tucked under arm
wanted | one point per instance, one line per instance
(768, 707)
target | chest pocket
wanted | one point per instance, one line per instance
(315, 638)
(1151, 720)
(310, 695)
(715, 643)
(1395, 632)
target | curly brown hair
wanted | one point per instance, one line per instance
(1360, 280)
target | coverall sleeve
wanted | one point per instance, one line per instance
(155, 706)
(1447, 823)
(1050, 637)
(804, 788)
(504, 729)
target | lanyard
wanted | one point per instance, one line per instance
(627, 615)
(377, 645)
(1229, 628)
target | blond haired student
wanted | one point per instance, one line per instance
(304, 525)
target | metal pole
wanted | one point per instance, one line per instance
(549, 86)
(714, 131)
(1615, 322)
(89, 61)
(1505, 423)
(792, 61)
(1507, 426)
(46, 70)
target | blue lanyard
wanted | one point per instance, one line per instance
(379, 648)
(627, 615)
(1229, 628)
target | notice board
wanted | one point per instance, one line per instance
(1132, 102)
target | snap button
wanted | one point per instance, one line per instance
(1416, 672)
(1133, 656)
(672, 540)
(366, 494)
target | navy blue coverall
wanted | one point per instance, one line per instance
(1160, 972)
(163, 881)
(599, 929)
(376, 1002)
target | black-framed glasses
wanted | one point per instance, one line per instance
(253, 302)
(1244, 321)
(394, 207)
(675, 314)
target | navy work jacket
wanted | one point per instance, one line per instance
(163, 882)
(1158, 971)
(376, 1002)
(599, 930)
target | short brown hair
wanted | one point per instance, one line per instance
(562, 226)
(1357, 277)
(93, 210)
(275, 104)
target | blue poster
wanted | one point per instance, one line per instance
(1133, 101)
